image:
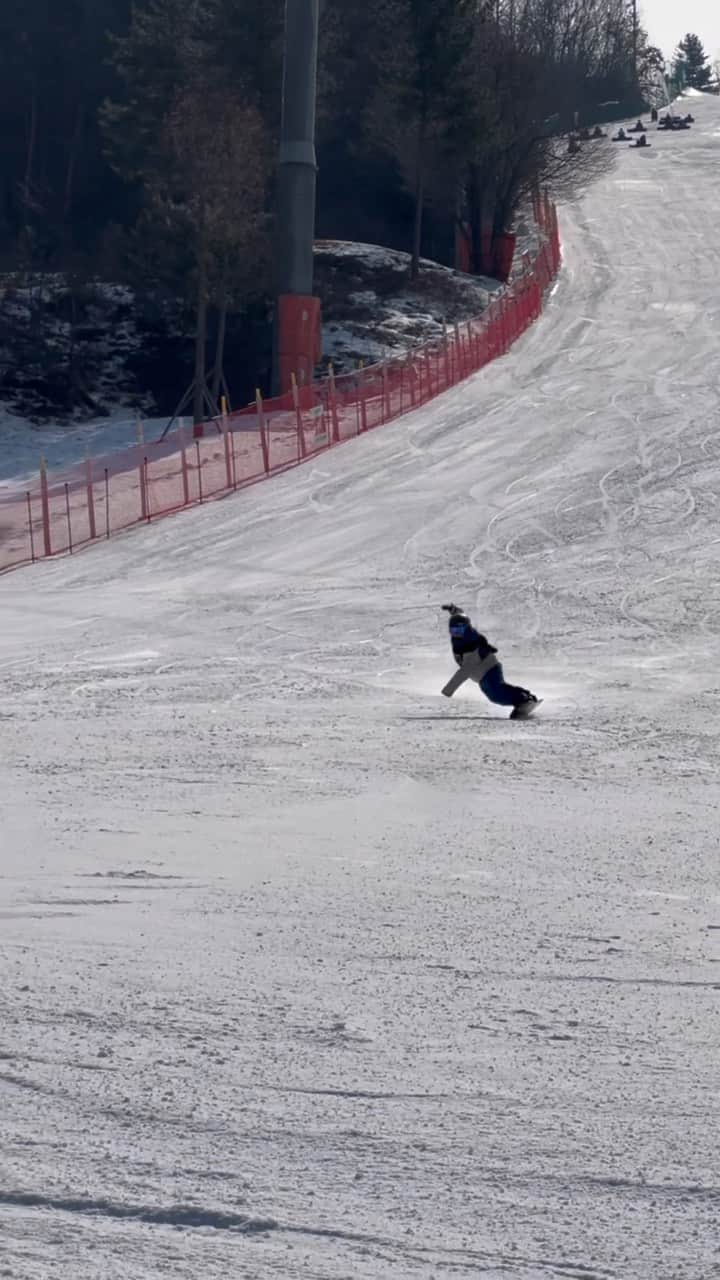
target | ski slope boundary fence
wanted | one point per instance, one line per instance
(65, 510)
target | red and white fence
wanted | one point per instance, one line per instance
(66, 510)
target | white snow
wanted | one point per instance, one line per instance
(310, 973)
(402, 321)
(23, 443)
(374, 254)
(371, 325)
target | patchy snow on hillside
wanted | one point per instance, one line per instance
(65, 347)
(53, 338)
(24, 443)
(372, 311)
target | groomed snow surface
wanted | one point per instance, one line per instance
(309, 973)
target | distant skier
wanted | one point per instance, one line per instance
(477, 661)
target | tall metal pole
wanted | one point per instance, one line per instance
(296, 193)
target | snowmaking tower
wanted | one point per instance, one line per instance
(297, 314)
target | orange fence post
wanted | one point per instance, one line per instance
(226, 437)
(144, 483)
(446, 354)
(263, 431)
(333, 405)
(493, 342)
(460, 363)
(511, 318)
(428, 372)
(45, 505)
(361, 390)
(90, 496)
(143, 472)
(30, 526)
(302, 450)
(411, 379)
(184, 467)
(199, 470)
(233, 457)
(472, 337)
(67, 515)
(500, 327)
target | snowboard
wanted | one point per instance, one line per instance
(525, 711)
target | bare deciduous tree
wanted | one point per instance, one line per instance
(214, 186)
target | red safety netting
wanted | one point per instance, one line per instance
(66, 510)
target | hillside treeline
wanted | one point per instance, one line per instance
(139, 139)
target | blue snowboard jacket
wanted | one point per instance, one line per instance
(465, 639)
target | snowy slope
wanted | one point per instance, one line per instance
(309, 973)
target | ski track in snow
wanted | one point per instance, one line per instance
(309, 973)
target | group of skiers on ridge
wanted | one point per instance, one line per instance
(664, 122)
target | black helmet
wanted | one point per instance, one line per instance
(458, 623)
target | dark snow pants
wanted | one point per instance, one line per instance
(496, 689)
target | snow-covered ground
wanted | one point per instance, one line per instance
(372, 311)
(309, 973)
(22, 444)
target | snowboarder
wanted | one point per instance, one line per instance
(477, 661)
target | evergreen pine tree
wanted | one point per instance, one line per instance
(690, 68)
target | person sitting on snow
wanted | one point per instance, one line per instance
(620, 136)
(477, 660)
